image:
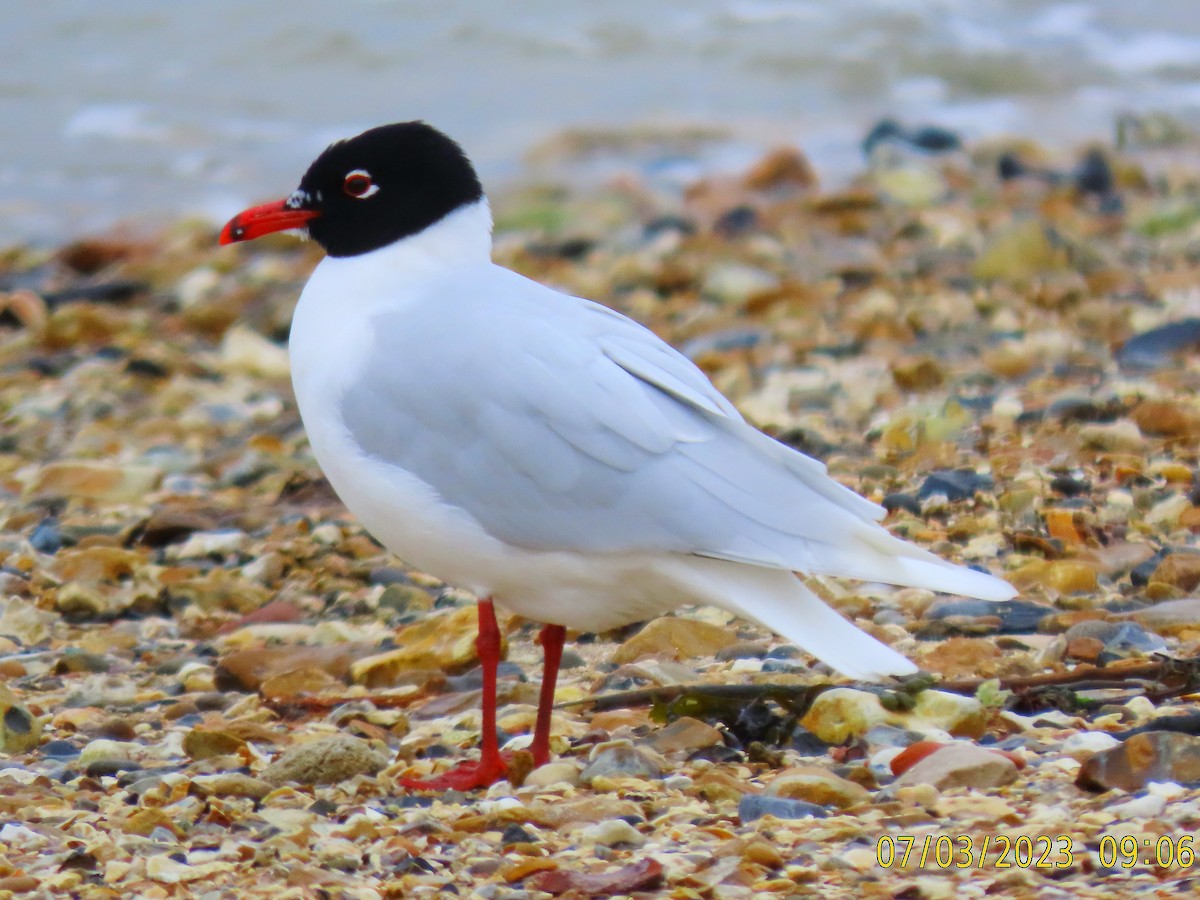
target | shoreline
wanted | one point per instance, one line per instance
(662, 155)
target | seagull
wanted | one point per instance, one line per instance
(542, 450)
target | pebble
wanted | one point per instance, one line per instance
(735, 283)
(619, 760)
(298, 682)
(406, 598)
(1147, 806)
(197, 677)
(59, 749)
(104, 749)
(783, 167)
(1170, 618)
(87, 480)
(325, 761)
(245, 350)
(205, 744)
(26, 622)
(741, 650)
(247, 669)
(555, 772)
(954, 484)
(445, 642)
(1060, 576)
(106, 766)
(232, 784)
(1141, 759)
(1123, 436)
(47, 537)
(686, 734)
(20, 729)
(202, 544)
(1021, 252)
(1181, 570)
(1120, 638)
(1160, 346)
(1162, 418)
(174, 522)
(961, 765)
(676, 638)
(842, 713)
(612, 833)
(816, 785)
(961, 657)
(754, 806)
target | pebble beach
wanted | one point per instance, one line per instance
(211, 678)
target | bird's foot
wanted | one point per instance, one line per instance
(466, 776)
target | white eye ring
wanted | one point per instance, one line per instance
(353, 183)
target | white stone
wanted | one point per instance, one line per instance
(1168, 790)
(209, 543)
(245, 350)
(563, 772)
(1088, 742)
(611, 832)
(106, 749)
(1148, 806)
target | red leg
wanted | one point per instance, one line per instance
(551, 640)
(490, 768)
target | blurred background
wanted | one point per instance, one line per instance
(143, 111)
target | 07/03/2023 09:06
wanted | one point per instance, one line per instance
(1001, 851)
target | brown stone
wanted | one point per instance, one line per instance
(175, 522)
(817, 785)
(920, 374)
(1140, 759)
(1061, 525)
(326, 761)
(686, 734)
(94, 481)
(96, 564)
(1165, 419)
(19, 884)
(248, 669)
(527, 865)
(144, 821)
(960, 657)
(1061, 576)
(204, 744)
(961, 765)
(1058, 622)
(782, 167)
(675, 638)
(1181, 570)
(1084, 649)
(445, 642)
(232, 784)
(298, 682)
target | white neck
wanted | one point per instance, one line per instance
(462, 237)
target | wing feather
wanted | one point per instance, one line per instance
(561, 425)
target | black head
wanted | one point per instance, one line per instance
(370, 191)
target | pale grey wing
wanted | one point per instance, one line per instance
(560, 425)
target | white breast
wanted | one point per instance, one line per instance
(330, 332)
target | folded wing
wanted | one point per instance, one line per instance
(561, 425)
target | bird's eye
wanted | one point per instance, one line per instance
(358, 184)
